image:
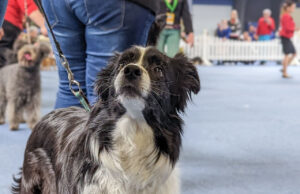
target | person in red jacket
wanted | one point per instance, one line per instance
(286, 33)
(266, 26)
(13, 23)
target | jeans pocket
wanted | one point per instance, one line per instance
(48, 6)
(106, 15)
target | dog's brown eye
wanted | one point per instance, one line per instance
(131, 55)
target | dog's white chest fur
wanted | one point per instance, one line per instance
(132, 166)
(133, 106)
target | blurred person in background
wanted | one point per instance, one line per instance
(250, 35)
(266, 26)
(223, 30)
(90, 32)
(13, 23)
(170, 36)
(3, 5)
(234, 25)
(287, 29)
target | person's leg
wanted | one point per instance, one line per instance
(290, 53)
(291, 58)
(286, 62)
(285, 65)
(162, 41)
(11, 33)
(286, 56)
(69, 32)
(113, 27)
(173, 42)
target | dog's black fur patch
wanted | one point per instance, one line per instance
(58, 155)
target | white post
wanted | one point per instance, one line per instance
(205, 47)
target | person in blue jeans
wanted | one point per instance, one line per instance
(89, 32)
(3, 5)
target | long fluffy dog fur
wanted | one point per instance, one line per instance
(129, 143)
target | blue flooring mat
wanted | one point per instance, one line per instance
(241, 136)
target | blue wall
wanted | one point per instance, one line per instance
(213, 2)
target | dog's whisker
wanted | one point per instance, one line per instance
(105, 89)
(157, 102)
(163, 91)
(159, 82)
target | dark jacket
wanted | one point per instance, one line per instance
(181, 11)
(153, 5)
(235, 28)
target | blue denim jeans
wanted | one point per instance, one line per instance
(89, 32)
(3, 5)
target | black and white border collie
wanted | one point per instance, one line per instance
(128, 144)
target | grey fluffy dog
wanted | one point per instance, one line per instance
(20, 87)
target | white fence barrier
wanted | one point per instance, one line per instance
(212, 48)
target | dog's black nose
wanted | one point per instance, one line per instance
(132, 72)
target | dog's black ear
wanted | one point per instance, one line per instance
(18, 44)
(104, 83)
(186, 81)
(155, 29)
(43, 50)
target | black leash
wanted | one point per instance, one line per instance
(79, 94)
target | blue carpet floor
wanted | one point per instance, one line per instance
(242, 133)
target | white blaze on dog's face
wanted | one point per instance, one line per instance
(132, 83)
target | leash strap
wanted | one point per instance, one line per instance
(72, 82)
(26, 22)
(171, 7)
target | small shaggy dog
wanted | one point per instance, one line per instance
(20, 87)
(130, 141)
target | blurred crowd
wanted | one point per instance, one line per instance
(262, 30)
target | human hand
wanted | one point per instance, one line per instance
(190, 39)
(183, 36)
(1, 33)
(44, 31)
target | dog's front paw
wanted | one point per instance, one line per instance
(21, 119)
(14, 127)
(2, 121)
